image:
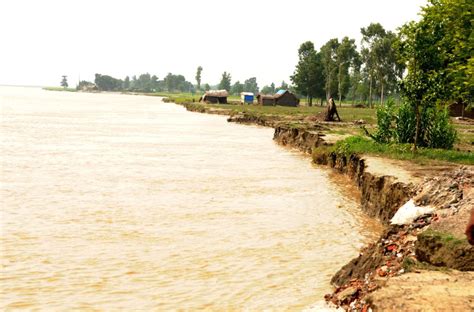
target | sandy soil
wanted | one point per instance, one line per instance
(426, 291)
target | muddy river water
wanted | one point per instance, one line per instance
(124, 202)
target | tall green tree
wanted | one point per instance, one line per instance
(438, 51)
(64, 83)
(308, 75)
(198, 77)
(251, 85)
(355, 76)
(272, 88)
(330, 66)
(345, 54)
(237, 88)
(380, 59)
(107, 83)
(225, 82)
(126, 83)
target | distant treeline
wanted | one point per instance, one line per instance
(143, 83)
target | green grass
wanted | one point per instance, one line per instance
(59, 89)
(362, 145)
(347, 114)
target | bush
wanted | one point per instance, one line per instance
(440, 133)
(405, 124)
(385, 119)
(399, 126)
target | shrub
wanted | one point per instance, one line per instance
(399, 126)
(385, 120)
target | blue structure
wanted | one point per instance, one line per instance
(246, 97)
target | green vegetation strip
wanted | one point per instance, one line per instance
(59, 89)
(360, 145)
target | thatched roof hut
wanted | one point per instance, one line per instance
(265, 99)
(286, 98)
(215, 97)
(282, 97)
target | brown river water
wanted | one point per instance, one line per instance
(121, 202)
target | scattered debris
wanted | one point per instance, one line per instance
(394, 253)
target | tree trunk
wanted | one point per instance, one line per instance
(381, 95)
(310, 103)
(339, 85)
(418, 126)
(370, 92)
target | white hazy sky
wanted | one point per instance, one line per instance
(42, 40)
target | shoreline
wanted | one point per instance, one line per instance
(363, 283)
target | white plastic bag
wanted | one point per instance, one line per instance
(407, 213)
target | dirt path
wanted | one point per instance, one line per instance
(426, 291)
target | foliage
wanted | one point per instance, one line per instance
(107, 83)
(237, 88)
(268, 89)
(346, 54)
(85, 85)
(385, 118)
(380, 58)
(177, 83)
(361, 145)
(126, 83)
(399, 125)
(438, 52)
(329, 61)
(64, 83)
(225, 81)
(250, 85)
(198, 77)
(308, 75)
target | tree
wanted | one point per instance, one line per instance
(237, 88)
(272, 87)
(198, 77)
(308, 75)
(86, 86)
(250, 85)
(268, 89)
(283, 86)
(126, 83)
(329, 61)
(64, 83)
(345, 54)
(107, 83)
(355, 77)
(154, 83)
(438, 53)
(207, 87)
(225, 81)
(380, 59)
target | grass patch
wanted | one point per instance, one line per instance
(445, 238)
(412, 265)
(361, 145)
(59, 89)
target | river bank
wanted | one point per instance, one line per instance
(431, 246)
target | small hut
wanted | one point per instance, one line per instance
(265, 100)
(286, 98)
(215, 97)
(246, 97)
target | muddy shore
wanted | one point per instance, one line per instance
(428, 250)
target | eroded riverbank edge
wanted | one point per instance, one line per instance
(431, 246)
